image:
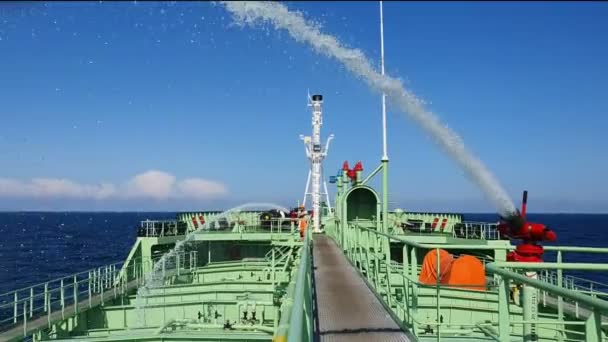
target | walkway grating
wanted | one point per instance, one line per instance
(347, 308)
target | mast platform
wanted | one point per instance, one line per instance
(347, 309)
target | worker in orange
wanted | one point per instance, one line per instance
(302, 221)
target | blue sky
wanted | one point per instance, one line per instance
(169, 106)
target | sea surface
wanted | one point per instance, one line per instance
(39, 246)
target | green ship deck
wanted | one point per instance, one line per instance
(246, 275)
(355, 282)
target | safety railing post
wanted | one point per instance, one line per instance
(134, 269)
(177, 262)
(46, 295)
(593, 326)
(503, 310)
(31, 301)
(414, 276)
(406, 287)
(62, 298)
(376, 262)
(48, 312)
(24, 318)
(272, 268)
(560, 300)
(113, 279)
(97, 280)
(89, 283)
(16, 298)
(367, 262)
(92, 280)
(100, 285)
(75, 296)
(388, 271)
(437, 295)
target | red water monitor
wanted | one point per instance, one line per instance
(516, 226)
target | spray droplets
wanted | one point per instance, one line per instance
(278, 15)
(155, 278)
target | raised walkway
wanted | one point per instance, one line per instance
(347, 309)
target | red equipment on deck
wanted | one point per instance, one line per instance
(517, 227)
(352, 173)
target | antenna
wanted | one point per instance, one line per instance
(308, 98)
(384, 148)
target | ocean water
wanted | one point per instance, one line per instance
(39, 246)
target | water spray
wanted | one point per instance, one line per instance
(156, 277)
(278, 15)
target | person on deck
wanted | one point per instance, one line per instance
(302, 221)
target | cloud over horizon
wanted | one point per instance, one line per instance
(151, 184)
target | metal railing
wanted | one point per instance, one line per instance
(476, 231)
(65, 297)
(369, 251)
(574, 283)
(296, 322)
(161, 228)
(77, 291)
(254, 225)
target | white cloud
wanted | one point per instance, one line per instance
(200, 188)
(150, 184)
(153, 184)
(54, 187)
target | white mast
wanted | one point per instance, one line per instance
(384, 149)
(316, 154)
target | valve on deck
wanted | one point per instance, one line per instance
(354, 173)
(516, 226)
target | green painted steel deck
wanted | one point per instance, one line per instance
(356, 281)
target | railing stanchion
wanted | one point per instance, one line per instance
(62, 294)
(100, 286)
(48, 312)
(89, 281)
(438, 293)
(75, 296)
(46, 295)
(503, 310)
(16, 298)
(31, 301)
(388, 271)
(560, 299)
(272, 268)
(406, 302)
(24, 318)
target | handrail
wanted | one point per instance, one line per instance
(292, 308)
(551, 266)
(369, 247)
(70, 276)
(426, 245)
(481, 247)
(573, 295)
(297, 310)
(19, 307)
